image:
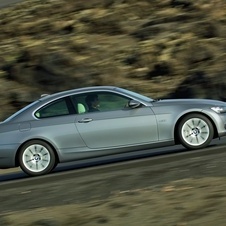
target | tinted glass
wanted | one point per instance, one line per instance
(56, 108)
(107, 101)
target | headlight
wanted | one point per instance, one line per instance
(219, 109)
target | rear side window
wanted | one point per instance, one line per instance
(56, 108)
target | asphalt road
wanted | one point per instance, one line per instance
(5, 3)
(123, 161)
(97, 183)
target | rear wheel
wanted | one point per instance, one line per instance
(37, 158)
(195, 131)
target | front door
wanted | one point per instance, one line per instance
(115, 125)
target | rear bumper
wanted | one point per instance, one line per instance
(8, 156)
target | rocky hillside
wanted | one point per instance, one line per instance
(162, 48)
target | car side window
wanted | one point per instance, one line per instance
(112, 102)
(104, 101)
(56, 108)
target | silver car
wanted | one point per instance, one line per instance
(103, 120)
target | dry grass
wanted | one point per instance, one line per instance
(152, 47)
(183, 202)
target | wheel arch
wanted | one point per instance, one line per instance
(39, 139)
(176, 138)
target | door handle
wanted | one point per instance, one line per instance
(85, 120)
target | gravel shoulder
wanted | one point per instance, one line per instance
(191, 191)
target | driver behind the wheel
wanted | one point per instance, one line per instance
(92, 102)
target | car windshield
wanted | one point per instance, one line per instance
(136, 95)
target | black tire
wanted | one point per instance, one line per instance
(195, 131)
(37, 158)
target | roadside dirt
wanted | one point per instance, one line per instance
(191, 191)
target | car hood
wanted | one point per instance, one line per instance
(190, 102)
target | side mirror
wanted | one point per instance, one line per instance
(134, 104)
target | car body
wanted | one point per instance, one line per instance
(59, 128)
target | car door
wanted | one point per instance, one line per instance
(116, 124)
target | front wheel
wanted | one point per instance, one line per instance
(37, 158)
(195, 131)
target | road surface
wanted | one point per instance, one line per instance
(99, 182)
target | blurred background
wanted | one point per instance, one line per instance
(160, 48)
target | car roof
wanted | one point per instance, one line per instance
(50, 97)
(46, 97)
